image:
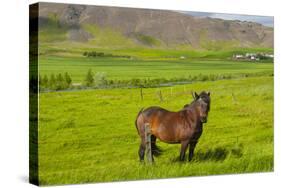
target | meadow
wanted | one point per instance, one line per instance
(90, 136)
(126, 69)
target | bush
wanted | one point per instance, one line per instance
(212, 77)
(204, 78)
(89, 79)
(59, 82)
(52, 82)
(100, 79)
(45, 80)
(85, 54)
(67, 79)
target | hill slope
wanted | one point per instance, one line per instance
(152, 27)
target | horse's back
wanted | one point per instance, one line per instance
(154, 109)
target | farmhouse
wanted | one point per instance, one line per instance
(253, 56)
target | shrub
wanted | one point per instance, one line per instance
(59, 82)
(85, 53)
(67, 79)
(45, 81)
(204, 78)
(100, 79)
(89, 80)
(52, 82)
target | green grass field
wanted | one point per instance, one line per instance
(90, 136)
(125, 69)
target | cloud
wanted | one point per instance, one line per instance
(264, 20)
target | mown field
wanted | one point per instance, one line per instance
(90, 136)
(126, 69)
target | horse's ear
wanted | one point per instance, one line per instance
(195, 95)
(208, 93)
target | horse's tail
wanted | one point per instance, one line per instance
(141, 110)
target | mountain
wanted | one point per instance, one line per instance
(152, 27)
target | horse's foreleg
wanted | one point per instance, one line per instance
(191, 150)
(184, 145)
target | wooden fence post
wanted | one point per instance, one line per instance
(160, 96)
(141, 93)
(233, 98)
(148, 142)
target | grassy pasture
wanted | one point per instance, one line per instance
(90, 136)
(125, 69)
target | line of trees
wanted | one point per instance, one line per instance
(64, 81)
(55, 82)
(102, 54)
(100, 80)
(158, 82)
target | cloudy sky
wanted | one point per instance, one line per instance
(265, 20)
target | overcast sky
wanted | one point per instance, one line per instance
(265, 20)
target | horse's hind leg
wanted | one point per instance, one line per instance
(142, 150)
(155, 150)
(184, 145)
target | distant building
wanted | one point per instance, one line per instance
(269, 55)
(249, 55)
(238, 56)
(253, 56)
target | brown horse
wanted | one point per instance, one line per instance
(184, 127)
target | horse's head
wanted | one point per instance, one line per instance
(203, 110)
(202, 102)
(205, 96)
